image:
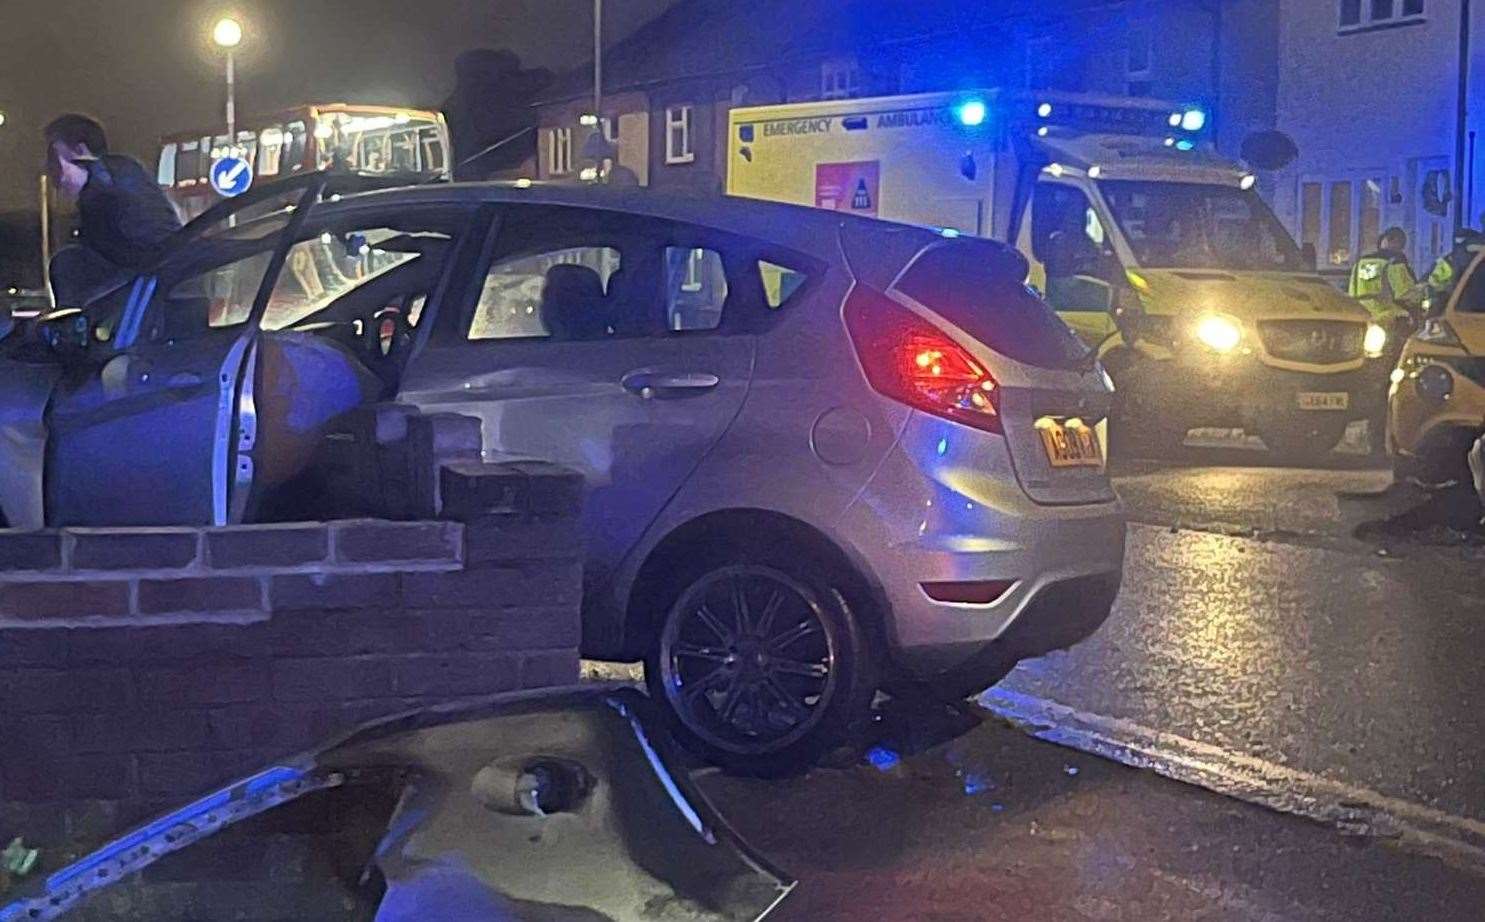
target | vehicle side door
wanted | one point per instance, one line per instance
(1465, 312)
(607, 349)
(1071, 258)
(143, 428)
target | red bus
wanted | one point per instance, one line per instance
(364, 139)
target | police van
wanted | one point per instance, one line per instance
(1153, 249)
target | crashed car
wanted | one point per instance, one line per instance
(823, 455)
(555, 805)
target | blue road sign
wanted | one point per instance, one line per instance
(231, 176)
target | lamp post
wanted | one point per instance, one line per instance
(227, 34)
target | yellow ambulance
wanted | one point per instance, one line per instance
(1155, 250)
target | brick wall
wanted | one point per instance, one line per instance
(140, 667)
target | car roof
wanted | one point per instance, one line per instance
(813, 231)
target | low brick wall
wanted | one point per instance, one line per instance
(139, 667)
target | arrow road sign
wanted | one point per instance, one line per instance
(231, 176)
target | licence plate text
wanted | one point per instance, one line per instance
(1309, 400)
(1069, 445)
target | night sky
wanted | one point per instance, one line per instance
(147, 68)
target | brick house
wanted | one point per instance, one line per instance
(669, 87)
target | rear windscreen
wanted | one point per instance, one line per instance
(978, 295)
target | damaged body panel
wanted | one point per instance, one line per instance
(533, 806)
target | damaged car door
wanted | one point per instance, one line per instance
(152, 410)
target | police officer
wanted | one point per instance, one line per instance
(1384, 281)
(1450, 266)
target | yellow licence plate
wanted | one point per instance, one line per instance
(1309, 400)
(1069, 446)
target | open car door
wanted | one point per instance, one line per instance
(151, 415)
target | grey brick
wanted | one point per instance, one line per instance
(548, 668)
(508, 538)
(345, 633)
(267, 545)
(133, 549)
(510, 629)
(104, 777)
(325, 680)
(373, 541)
(338, 591)
(80, 598)
(204, 594)
(202, 684)
(183, 775)
(545, 583)
(65, 691)
(30, 550)
(455, 674)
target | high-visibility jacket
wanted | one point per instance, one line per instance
(1452, 264)
(1384, 280)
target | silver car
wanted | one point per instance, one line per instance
(825, 456)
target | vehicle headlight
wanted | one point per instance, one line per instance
(1218, 332)
(1375, 342)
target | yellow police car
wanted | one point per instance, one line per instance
(1436, 401)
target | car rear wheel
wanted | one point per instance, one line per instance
(761, 664)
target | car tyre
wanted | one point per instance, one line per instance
(760, 663)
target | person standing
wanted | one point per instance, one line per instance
(1383, 280)
(1449, 267)
(124, 218)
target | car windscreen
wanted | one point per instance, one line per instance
(1180, 225)
(967, 283)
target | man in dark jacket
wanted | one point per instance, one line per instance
(124, 218)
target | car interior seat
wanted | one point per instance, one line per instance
(572, 303)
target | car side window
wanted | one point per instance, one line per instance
(779, 282)
(560, 294)
(218, 297)
(325, 267)
(695, 289)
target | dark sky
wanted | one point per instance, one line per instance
(146, 67)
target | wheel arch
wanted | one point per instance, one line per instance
(644, 605)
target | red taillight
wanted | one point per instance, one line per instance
(909, 359)
(986, 592)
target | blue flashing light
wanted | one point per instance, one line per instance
(1194, 120)
(1044, 110)
(971, 113)
(883, 759)
(1185, 145)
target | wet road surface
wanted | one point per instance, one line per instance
(996, 826)
(1253, 621)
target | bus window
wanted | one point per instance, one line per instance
(203, 162)
(188, 163)
(294, 146)
(270, 150)
(247, 146)
(433, 152)
(165, 175)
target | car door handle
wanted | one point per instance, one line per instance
(650, 385)
(183, 381)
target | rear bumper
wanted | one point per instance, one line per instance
(963, 518)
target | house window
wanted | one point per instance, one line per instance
(1364, 15)
(839, 80)
(678, 135)
(559, 151)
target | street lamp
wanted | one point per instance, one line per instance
(228, 35)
